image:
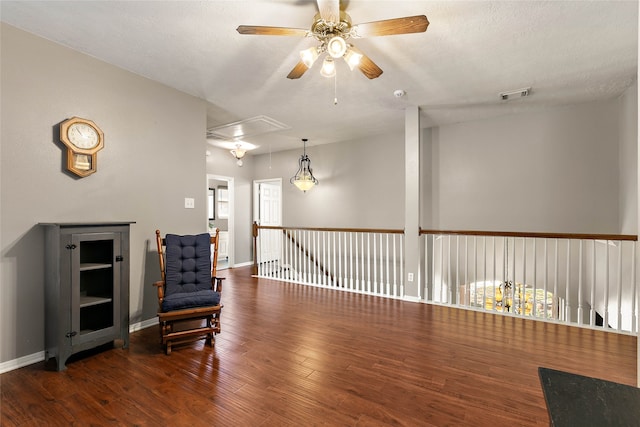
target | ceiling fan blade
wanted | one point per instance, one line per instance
(297, 71)
(367, 66)
(329, 10)
(389, 27)
(271, 31)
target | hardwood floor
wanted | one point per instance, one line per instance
(291, 355)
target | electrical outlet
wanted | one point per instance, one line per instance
(189, 203)
(410, 277)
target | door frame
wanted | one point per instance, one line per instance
(231, 220)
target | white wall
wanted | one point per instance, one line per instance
(551, 171)
(147, 126)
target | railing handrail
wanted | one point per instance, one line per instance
(341, 230)
(584, 236)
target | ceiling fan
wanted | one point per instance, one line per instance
(333, 28)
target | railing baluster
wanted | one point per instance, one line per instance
(567, 291)
(494, 303)
(592, 316)
(544, 283)
(634, 291)
(555, 299)
(475, 272)
(484, 272)
(513, 274)
(441, 270)
(371, 267)
(605, 320)
(340, 260)
(351, 260)
(467, 287)
(395, 267)
(619, 301)
(448, 294)
(580, 303)
(523, 295)
(534, 307)
(457, 301)
(387, 283)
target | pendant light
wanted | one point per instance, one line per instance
(304, 179)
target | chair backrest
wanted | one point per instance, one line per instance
(186, 264)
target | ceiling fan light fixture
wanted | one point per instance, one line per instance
(336, 47)
(352, 58)
(328, 67)
(309, 56)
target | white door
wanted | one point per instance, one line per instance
(270, 204)
(269, 213)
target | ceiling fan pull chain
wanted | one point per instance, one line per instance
(335, 89)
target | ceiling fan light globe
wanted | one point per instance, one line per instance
(328, 67)
(309, 56)
(352, 58)
(336, 47)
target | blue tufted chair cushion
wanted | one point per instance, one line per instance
(188, 272)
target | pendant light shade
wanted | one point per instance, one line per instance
(304, 179)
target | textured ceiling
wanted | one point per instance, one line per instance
(566, 51)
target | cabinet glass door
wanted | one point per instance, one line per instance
(95, 286)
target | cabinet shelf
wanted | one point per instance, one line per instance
(86, 266)
(88, 301)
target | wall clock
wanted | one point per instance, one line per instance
(83, 139)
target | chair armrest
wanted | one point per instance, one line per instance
(216, 283)
(160, 288)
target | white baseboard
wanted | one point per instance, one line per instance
(20, 362)
(30, 359)
(243, 264)
(143, 325)
(411, 299)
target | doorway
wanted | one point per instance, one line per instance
(220, 214)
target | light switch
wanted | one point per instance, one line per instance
(189, 203)
(410, 277)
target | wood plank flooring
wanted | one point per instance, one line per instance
(291, 355)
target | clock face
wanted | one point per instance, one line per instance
(83, 136)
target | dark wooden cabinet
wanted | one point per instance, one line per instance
(86, 289)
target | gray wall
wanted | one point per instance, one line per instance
(361, 183)
(557, 170)
(147, 126)
(220, 162)
(628, 124)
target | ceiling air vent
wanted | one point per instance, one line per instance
(246, 128)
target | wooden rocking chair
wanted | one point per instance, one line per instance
(189, 292)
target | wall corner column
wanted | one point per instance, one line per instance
(412, 204)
